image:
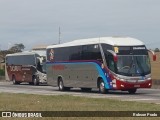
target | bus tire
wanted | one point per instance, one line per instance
(61, 85)
(14, 80)
(132, 91)
(102, 87)
(35, 81)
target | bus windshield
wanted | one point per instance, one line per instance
(133, 65)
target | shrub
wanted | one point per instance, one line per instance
(156, 50)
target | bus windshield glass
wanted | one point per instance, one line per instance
(132, 60)
(133, 65)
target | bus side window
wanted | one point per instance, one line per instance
(75, 53)
(110, 62)
(94, 53)
(39, 67)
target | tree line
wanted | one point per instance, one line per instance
(156, 50)
(14, 49)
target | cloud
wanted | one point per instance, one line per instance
(37, 21)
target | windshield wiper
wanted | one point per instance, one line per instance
(140, 67)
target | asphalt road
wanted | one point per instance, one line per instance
(142, 95)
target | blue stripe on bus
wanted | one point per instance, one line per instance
(101, 72)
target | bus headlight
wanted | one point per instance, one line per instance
(122, 85)
(149, 78)
(119, 78)
(122, 80)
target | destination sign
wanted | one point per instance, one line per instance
(139, 48)
(130, 50)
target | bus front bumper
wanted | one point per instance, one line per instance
(124, 85)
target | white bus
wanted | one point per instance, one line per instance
(107, 63)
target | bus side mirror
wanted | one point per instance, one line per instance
(154, 57)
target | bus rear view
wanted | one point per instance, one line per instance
(107, 63)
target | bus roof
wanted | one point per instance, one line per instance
(114, 41)
(22, 53)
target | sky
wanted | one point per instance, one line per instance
(37, 22)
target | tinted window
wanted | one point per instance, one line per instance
(110, 62)
(91, 52)
(85, 52)
(21, 60)
(62, 54)
(75, 53)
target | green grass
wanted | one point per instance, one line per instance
(25, 102)
(68, 103)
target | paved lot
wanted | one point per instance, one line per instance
(142, 95)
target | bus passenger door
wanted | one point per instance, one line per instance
(27, 73)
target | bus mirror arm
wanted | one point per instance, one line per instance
(115, 57)
(154, 57)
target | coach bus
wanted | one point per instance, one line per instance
(26, 67)
(107, 63)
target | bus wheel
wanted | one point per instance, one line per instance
(14, 80)
(60, 84)
(35, 81)
(132, 91)
(102, 87)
